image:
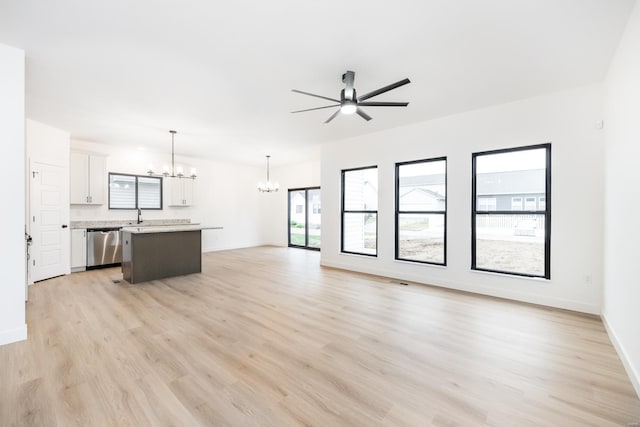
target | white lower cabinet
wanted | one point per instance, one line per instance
(78, 250)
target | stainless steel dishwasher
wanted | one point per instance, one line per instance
(103, 247)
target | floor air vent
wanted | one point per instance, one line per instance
(398, 282)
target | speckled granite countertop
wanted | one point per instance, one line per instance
(126, 223)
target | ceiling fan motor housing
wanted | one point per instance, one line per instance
(343, 98)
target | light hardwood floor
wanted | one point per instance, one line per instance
(265, 336)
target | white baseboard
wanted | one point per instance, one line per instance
(13, 335)
(506, 294)
(634, 376)
(228, 247)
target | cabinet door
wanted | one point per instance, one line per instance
(174, 185)
(97, 179)
(180, 191)
(187, 191)
(79, 179)
(78, 249)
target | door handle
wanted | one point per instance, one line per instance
(64, 225)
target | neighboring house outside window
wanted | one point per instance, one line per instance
(516, 203)
(530, 203)
(541, 203)
(487, 203)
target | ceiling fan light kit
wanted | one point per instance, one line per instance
(348, 107)
(349, 103)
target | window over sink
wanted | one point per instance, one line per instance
(134, 191)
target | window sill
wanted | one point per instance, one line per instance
(421, 264)
(359, 255)
(511, 276)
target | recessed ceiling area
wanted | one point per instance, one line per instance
(122, 72)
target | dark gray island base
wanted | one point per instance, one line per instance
(150, 255)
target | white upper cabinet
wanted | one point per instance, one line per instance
(78, 179)
(180, 191)
(88, 179)
(187, 191)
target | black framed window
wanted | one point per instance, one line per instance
(511, 211)
(421, 211)
(305, 221)
(360, 211)
(134, 191)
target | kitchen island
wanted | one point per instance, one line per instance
(150, 253)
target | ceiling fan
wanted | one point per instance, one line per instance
(349, 103)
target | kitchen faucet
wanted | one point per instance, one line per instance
(139, 215)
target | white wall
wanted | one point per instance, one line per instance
(566, 119)
(621, 308)
(12, 253)
(225, 195)
(47, 144)
(274, 205)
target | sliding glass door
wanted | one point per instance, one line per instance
(313, 223)
(305, 210)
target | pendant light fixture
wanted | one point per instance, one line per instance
(174, 172)
(268, 187)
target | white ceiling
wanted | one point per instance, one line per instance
(221, 73)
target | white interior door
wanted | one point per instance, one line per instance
(49, 222)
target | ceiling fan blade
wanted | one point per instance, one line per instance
(317, 108)
(317, 96)
(383, 89)
(362, 114)
(347, 79)
(333, 116)
(383, 104)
